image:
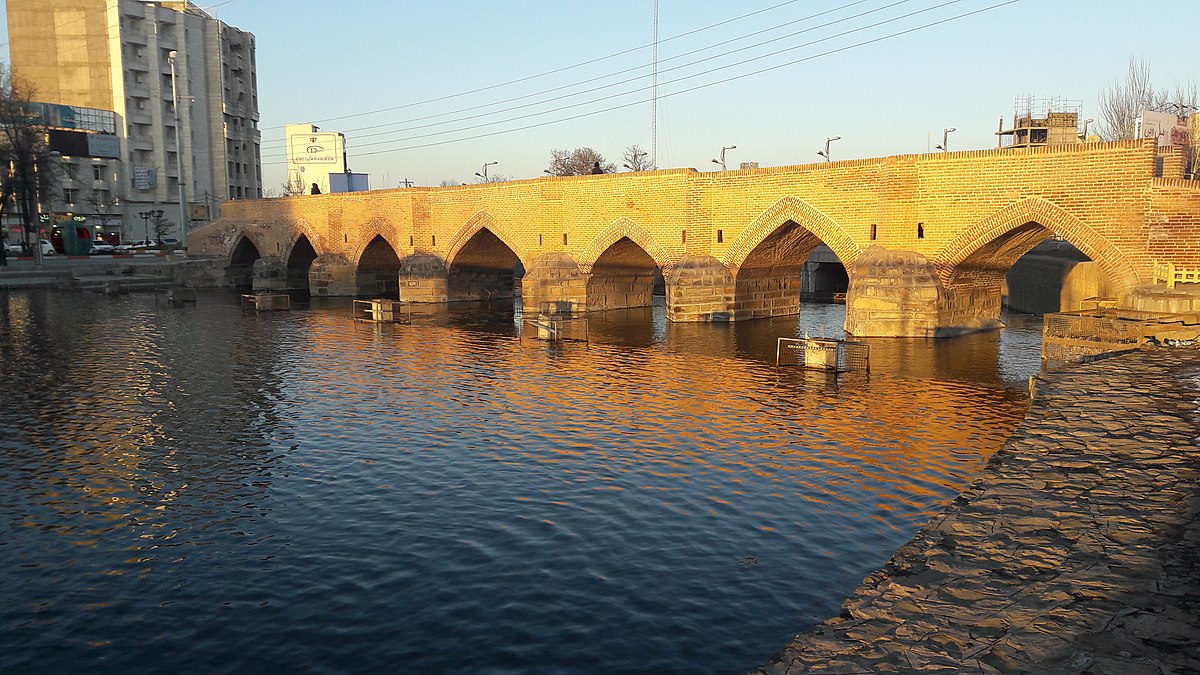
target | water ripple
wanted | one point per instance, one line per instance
(197, 489)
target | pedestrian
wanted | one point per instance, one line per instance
(316, 189)
(596, 168)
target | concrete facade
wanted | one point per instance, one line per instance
(926, 239)
(115, 56)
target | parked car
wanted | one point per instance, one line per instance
(101, 247)
(127, 247)
(169, 243)
(15, 248)
(143, 244)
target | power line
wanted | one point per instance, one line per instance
(556, 70)
(280, 144)
(690, 89)
(634, 91)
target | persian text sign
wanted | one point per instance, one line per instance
(314, 148)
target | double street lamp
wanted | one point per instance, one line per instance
(484, 174)
(146, 216)
(945, 146)
(825, 153)
(722, 160)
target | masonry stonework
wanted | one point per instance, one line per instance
(926, 239)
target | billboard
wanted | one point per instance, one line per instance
(314, 148)
(104, 145)
(1168, 128)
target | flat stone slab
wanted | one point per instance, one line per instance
(1076, 551)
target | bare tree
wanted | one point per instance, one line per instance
(450, 183)
(30, 175)
(294, 185)
(578, 162)
(1125, 101)
(104, 206)
(636, 159)
(161, 227)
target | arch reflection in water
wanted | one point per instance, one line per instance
(442, 497)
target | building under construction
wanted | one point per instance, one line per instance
(1045, 121)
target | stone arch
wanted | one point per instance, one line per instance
(624, 228)
(376, 228)
(236, 239)
(301, 228)
(482, 221)
(803, 214)
(1015, 220)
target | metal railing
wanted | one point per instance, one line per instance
(1087, 334)
(1172, 274)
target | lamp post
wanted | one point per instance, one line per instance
(484, 174)
(722, 160)
(145, 216)
(636, 160)
(184, 218)
(1085, 126)
(945, 146)
(48, 217)
(825, 153)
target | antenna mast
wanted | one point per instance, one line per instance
(654, 97)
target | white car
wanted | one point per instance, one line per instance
(15, 248)
(101, 247)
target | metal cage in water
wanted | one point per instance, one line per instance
(828, 354)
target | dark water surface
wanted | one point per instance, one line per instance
(198, 490)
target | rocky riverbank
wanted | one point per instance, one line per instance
(1077, 550)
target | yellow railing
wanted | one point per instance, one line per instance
(1172, 274)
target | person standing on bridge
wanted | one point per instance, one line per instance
(315, 190)
(596, 168)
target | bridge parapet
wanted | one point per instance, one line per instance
(728, 244)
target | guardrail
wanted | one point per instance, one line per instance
(1172, 274)
(1087, 334)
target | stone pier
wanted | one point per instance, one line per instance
(1076, 551)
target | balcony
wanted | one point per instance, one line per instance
(137, 91)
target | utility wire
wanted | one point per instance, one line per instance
(556, 70)
(636, 90)
(684, 91)
(280, 144)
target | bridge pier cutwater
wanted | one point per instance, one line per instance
(926, 240)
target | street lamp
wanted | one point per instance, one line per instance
(1085, 126)
(635, 158)
(146, 216)
(945, 146)
(722, 160)
(825, 153)
(184, 217)
(484, 174)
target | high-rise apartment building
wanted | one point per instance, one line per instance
(118, 55)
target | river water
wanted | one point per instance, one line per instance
(194, 489)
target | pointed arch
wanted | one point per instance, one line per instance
(624, 228)
(1013, 220)
(803, 214)
(301, 228)
(478, 222)
(234, 245)
(376, 228)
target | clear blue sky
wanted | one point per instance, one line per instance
(320, 61)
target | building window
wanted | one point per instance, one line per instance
(874, 231)
(920, 230)
(69, 195)
(98, 172)
(720, 236)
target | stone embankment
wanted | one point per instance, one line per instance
(1077, 551)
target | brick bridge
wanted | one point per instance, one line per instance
(926, 239)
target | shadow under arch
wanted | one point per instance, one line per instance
(624, 228)
(769, 258)
(239, 271)
(983, 253)
(477, 223)
(482, 262)
(623, 276)
(377, 272)
(300, 258)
